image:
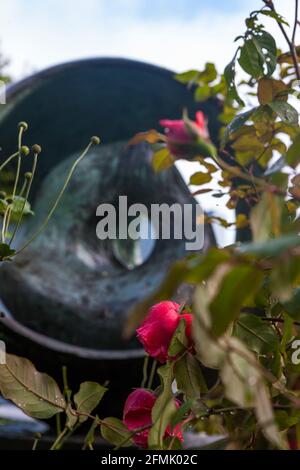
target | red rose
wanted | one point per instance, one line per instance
(158, 328)
(137, 414)
(181, 133)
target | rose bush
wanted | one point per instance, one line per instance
(159, 326)
(238, 377)
(137, 414)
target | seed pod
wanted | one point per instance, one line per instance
(36, 149)
(95, 140)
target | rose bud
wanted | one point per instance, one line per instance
(158, 328)
(137, 414)
(186, 138)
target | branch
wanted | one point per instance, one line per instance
(291, 43)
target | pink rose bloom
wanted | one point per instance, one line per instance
(137, 414)
(179, 133)
(158, 328)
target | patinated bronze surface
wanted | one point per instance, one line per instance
(68, 295)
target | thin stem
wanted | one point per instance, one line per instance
(23, 188)
(9, 210)
(67, 390)
(295, 22)
(25, 199)
(57, 201)
(36, 441)
(132, 434)
(3, 233)
(278, 320)
(14, 155)
(236, 171)
(58, 424)
(15, 188)
(289, 42)
(59, 439)
(145, 371)
(152, 374)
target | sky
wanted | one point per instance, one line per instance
(177, 34)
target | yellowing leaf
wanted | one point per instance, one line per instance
(269, 89)
(200, 178)
(162, 160)
(241, 221)
(152, 137)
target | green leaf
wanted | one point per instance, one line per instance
(273, 247)
(244, 385)
(162, 160)
(90, 437)
(202, 92)
(179, 340)
(236, 288)
(292, 157)
(115, 432)
(163, 409)
(20, 206)
(292, 306)
(189, 377)
(173, 444)
(250, 59)
(72, 418)
(267, 50)
(275, 15)
(37, 394)
(257, 334)
(3, 206)
(284, 421)
(209, 351)
(182, 411)
(237, 371)
(237, 122)
(88, 398)
(5, 251)
(265, 217)
(285, 111)
(190, 76)
(200, 178)
(208, 74)
(229, 76)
